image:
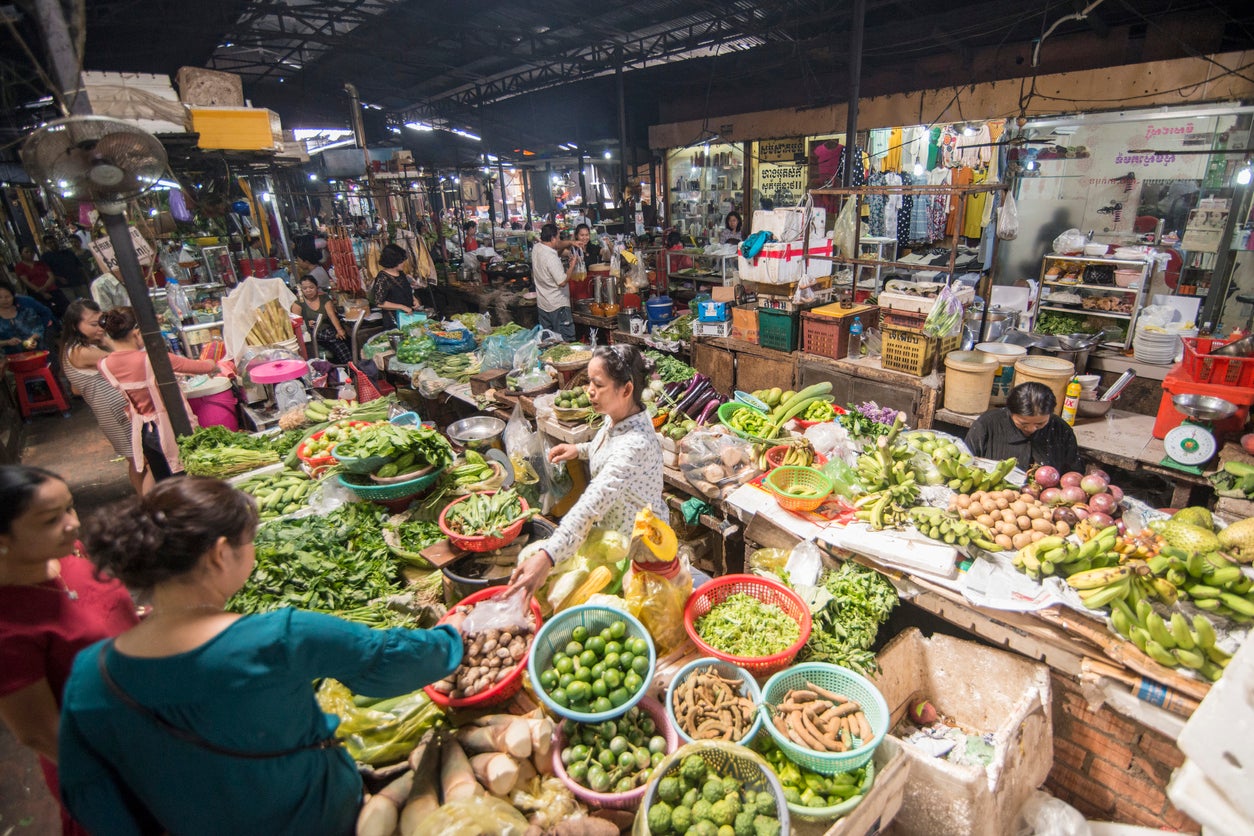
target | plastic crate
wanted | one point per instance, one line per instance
(913, 352)
(903, 319)
(777, 329)
(827, 334)
(1209, 368)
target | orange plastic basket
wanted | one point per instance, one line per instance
(508, 687)
(784, 481)
(715, 592)
(482, 542)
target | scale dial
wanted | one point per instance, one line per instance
(1190, 444)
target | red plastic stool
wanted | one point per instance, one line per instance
(54, 402)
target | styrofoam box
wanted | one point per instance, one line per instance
(785, 223)
(712, 329)
(922, 304)
(782, 263)
(145, 99)
(1219, 737)
(981, 690)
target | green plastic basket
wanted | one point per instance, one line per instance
(727, 410)
(841, 681)
(370, 491)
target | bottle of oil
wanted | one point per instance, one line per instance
(1071, 402)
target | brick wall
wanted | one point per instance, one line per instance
(1109, 767)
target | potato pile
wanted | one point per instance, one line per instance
(490, 656)
(1016, 519)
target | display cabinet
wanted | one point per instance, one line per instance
(204, 325)
(706, 269)
(1105, 293)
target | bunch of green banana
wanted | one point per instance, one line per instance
(1173, 642)
(949, 528)
(1053, 555)
(966, 478)
(280, 493)
(892, 486)
(1211, 581)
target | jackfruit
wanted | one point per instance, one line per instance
(1239, 539)
(1190, 538)
(1196, 515)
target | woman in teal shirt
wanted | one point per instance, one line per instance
(200, 721)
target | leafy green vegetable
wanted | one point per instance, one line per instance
(860, 426)
(668, 368)
(336, 563)
(844, 631)
(1053, 322)
(215, 437)
(741, 625)
(482, 515)
(679, 328)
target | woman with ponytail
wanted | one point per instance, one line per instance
(202, 721)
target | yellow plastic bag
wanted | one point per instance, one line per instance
(659, 600)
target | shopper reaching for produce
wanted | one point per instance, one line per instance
(625, 458)
(128, 370)
(52, 605)
(200, 721)
(1027, 430)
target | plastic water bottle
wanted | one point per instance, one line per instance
(855, 339)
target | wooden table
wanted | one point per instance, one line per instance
(1120, 439)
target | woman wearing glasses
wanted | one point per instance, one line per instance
(86, 344)
(625, 458)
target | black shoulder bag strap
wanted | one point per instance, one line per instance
(188, 736)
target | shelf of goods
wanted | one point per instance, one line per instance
(205, 300)
(721, 269)
(1124, 295)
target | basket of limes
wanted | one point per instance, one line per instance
(572, 404)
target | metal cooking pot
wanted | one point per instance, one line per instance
(478, 433)
(1000, 320)
(1072, 347)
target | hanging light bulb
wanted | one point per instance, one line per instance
(1031, 166)
(918, 169)
(1243, 176)
(968, 129)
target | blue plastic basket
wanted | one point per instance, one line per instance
(842, 681)
(553, 637)
(749, 688)
(444, 345)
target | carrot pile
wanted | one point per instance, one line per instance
(710, 706)
(818, 719)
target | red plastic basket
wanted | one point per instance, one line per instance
(508, 687)
(366, 389)
(775, 457)
(768, 591)
(316, 465)
(480, 543)
(619, 800)
(805, 425)
(1211, 368)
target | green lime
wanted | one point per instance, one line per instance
(579, 634)
(597, 645)
(560, 697)
(599, 688)
(613, 677)
(578, 691)
(573, 648)
(632, 682)
(587, 659)
(640, 665)
(618, 696)
(564, 665)
(565, 679)
(618, 629)
(613, 647)
(548, 680)
(625, 660)
(598, 670)
(640, 647)
(606, 634)
(611, 661)
(583, 675)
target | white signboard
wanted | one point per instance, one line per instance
(107, 261)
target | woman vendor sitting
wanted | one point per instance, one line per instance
(625, 457)
(1027, 430)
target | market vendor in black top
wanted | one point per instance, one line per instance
(1027, 430)
(392, 289)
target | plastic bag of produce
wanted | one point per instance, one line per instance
(601, 548)
(945, 320)
(381, 732)
(472, 817)
(1008, 219)
(658, 582)
(715, 462)
(499, 350)
(844, 237)
(1070, 242)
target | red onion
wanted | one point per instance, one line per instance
(1050, 496)
(1070, 478)
(1046, 476)
(1074, 495)
(1093, 484)
(1103, 502)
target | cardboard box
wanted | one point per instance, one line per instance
(983, 691)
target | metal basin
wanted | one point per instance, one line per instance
(1204, 407)
(479, 432)
(1092, 409)
(1243, 347)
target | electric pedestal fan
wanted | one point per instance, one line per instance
(109, 162)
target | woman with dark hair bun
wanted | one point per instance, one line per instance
(1027, 430)
(52, 605)
(202, 721)
(625, 460)
(392, 291)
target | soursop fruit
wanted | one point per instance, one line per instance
(1238, 539)
(1196, 515)
(1190, 538)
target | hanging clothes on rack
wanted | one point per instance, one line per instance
(826, 173)
(933, 148)
(920, 213)
(938, 210)
(875, 204)
(892, 204)
(914, 146)
(892, 156)
(975, 150)
(877, 146)
(973, 218)
(904, 213)
(959, 177)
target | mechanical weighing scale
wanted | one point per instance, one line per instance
(1192, 444)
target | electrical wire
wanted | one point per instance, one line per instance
(1186, 46)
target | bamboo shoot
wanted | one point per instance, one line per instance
(497, 772)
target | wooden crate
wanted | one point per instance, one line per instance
(718, 364)
(764, 371)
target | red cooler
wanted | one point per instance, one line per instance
(1178, 382)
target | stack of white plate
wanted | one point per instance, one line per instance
(1155, 346)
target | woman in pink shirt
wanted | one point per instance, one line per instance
(127, 368)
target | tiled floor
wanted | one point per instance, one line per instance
(75, 448)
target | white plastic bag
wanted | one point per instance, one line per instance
(1070, 242)
(805, 562)
(240, 307)
(1008, 219)
(844, 239)
(1044, 815)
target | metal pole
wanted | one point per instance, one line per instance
(526, 177)
(500, 169)
(622, 130)
(583, 183)
(856, 27)
(141, 302)
(382, 207)
(63, 56)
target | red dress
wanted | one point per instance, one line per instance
(42, 629)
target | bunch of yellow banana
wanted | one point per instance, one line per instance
(1174, 642)
(1101, 587)
(801, 453)
(1055, 556)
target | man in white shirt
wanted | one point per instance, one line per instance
(552, 290)
(109, 293)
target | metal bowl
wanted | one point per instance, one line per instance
(1204, 407)
(1243, 347)
(479, 432)
(1086, 408)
